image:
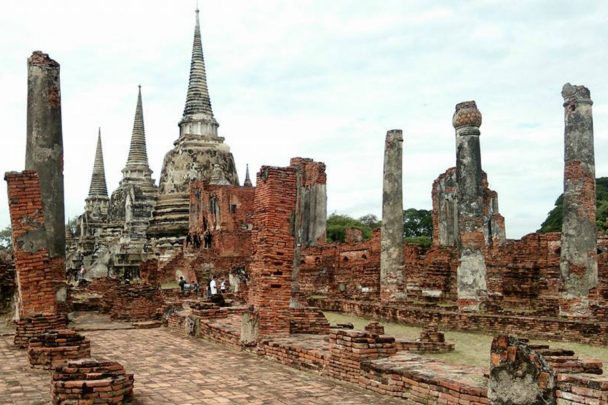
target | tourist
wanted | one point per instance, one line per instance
(207, 238)
(196, 286)
(81, 273)
(182, 283)
(213, 286)
(223, 287)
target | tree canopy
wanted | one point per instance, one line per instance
(6, 242)
(417, 226)
(338, 223)
(553, 222)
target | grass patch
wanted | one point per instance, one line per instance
(470, 348)
(169, 285)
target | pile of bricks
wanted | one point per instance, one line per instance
(136, 302)
(55, 347)
(149, 273)
(28, 328)
(348, 349)
(374, 328)
(308, 320)
(430, 341)
(89, 381)
(565, 361)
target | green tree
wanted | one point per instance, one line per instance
(371, 221)
(338, 223)
(6, 241)
(553, 222)
(417, 223)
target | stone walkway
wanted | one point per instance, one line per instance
(171, 369)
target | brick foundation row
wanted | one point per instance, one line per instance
(589, 332)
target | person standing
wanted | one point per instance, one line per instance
(213, 286)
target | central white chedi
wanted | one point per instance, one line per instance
(197, 152)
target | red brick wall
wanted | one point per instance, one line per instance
(36, 279)
(271, 267)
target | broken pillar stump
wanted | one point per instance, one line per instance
(519, 375)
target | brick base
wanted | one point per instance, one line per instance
(55, 347)
(28, 328)
(89, 381)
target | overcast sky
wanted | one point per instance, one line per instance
(320, 79)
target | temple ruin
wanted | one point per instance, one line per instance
(257, 273)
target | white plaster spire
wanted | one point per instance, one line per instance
(98, 186)
(198, 116)
(138, 156)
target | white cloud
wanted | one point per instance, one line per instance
(318, 79)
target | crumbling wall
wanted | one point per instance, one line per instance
(445, 211)
(37, 283)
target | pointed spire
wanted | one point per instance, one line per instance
(247, 182)
(98, 180)
(197, 100)
(138, 156)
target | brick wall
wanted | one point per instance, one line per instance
(37, 280)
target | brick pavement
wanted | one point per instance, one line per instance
(171, 369)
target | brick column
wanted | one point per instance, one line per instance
(35, 280)
(274, 243)
(578, 262)
(391, 244)
(471, 272)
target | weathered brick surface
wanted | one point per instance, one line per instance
(89, 381)
(37, 279)
(308, 320)
(36, 325)
(55, 347)
(271, 267)
(135, 302)
(349, 349)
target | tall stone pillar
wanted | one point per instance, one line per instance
(391, 244)
(471, 273)
(44, 148)
(578, 262)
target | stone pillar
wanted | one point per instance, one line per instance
(578, 262)
(391, 244)
(471, 273)
(44, 148)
